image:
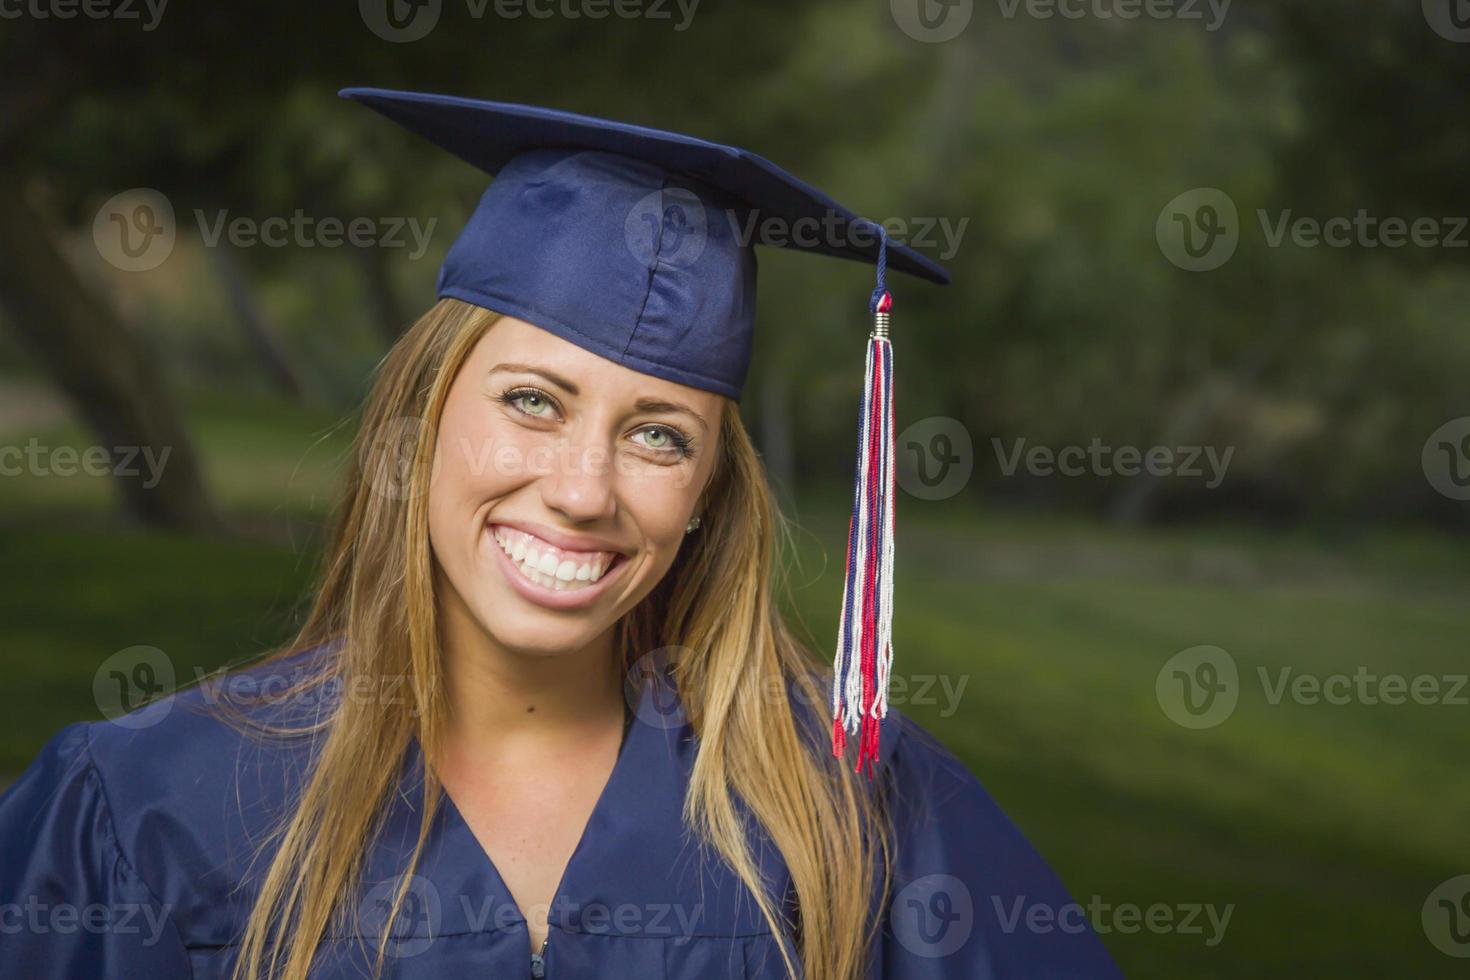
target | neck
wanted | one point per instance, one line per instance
(500, 697)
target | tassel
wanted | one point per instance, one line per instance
(864, 657)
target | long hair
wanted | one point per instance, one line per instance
(751, 692)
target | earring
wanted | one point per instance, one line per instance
(693, 523)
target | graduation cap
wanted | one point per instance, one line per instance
(639, 245)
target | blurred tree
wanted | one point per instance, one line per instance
(1382, 128)
(1382, 134)
(103, 367)
(261, 335)
(230, 103)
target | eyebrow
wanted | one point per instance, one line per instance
(643, 404)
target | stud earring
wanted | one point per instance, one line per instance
(693, 523)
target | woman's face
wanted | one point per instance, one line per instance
(563, 484)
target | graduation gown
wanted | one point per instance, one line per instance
(129, 850)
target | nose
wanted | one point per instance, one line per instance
(579, 483)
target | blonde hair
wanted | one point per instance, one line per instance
(376, 606)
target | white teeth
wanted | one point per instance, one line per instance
(548, 566)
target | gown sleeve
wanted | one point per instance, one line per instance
(71, 904)
(971, 899)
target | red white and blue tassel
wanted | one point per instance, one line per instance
(864, 657)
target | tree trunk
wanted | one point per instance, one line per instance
(260, 334)
(387, 311)
(103, 368)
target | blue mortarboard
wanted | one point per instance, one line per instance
(631, 242)
(638, 245)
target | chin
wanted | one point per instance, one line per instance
(534, 636)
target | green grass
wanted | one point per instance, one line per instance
(262, 458)
(78, 587)
(73, 597)
(1323, 826)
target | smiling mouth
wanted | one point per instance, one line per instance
(549, 566)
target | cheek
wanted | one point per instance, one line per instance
(480, 457)
(661, 500)
(469, 473)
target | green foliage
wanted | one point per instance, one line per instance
(1049, 146)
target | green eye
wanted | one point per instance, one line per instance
(664, 440)
(524, 397)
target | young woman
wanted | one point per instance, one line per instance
(544, 718)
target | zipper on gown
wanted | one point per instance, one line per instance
(538, 961)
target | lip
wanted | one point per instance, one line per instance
(540, 594)
(560, 539)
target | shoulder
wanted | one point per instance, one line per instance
(934, 803)
(912, 757)
(63, 768)
(939, 809)
(929, 787)
(175, 798)
(187, 749)
(74, 904)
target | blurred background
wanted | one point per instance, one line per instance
(1185, 448)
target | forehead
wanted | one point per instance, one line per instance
(514, 341)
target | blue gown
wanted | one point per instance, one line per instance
(128, 850)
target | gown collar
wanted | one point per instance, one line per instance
(635, 871)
